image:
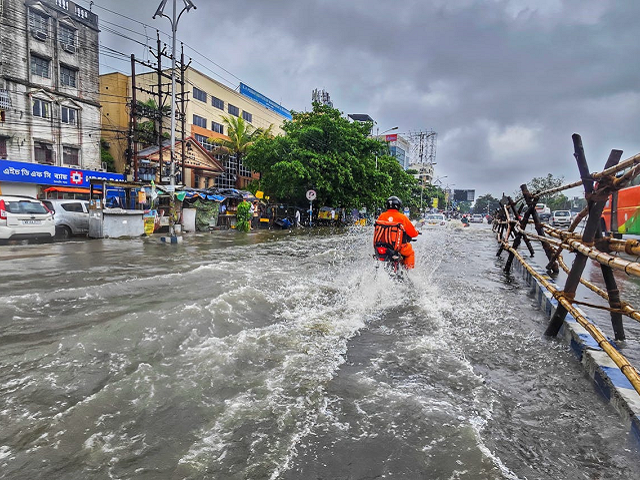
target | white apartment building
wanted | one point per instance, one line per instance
(49, 110)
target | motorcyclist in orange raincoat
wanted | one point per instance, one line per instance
(394, 216)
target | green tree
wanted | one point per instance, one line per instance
(555, 201)
(146, 131)
(106, 157)
(486, 204)
(559, 202)
(243, 217)
(540, 184)
(323, 151)
(242, 136)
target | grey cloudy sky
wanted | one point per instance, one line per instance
(504, 83)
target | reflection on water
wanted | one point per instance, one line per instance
(280, 355)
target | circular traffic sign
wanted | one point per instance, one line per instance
(311, 195)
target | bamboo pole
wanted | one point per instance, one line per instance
(623, 364)
(625, 308)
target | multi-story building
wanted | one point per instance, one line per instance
(424, 173)
(208, 103)
(115, 95)
(50, 113)
(399, 147)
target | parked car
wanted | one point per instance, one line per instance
(477, 218)
(561, 218)
(71, 216)
(25, 218)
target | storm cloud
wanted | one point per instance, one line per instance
(505, 83)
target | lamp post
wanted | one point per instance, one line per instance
(188, 5)
(378, 134)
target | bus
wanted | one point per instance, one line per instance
(624, 217)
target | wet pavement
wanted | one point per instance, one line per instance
(288, 355)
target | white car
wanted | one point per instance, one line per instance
(435, 219)
(71, 216)
(561, 218)
(25, 218)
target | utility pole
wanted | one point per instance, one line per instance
(174, 27)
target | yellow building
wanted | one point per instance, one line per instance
(115, 93)
(208, 102)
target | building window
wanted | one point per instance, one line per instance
(247, 116)
(68, 76)
(3, 148)
(204, 141)
(41, 108)
(69, 115)
(39, 25)
(244, 172)
(216, 102)
(199, 94)
(43, 153)
(199, 121)
(217, 127)
(233, 110)
(67, 36)
(70, 156)
(40, 66)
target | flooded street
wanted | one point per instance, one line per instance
(278, 355)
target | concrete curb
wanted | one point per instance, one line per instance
(609, 380)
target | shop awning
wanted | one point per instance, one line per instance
(68, 190)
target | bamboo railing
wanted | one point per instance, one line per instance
(514, 217)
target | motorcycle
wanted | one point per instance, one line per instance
(392, 259)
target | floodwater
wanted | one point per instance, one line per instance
(287, 355)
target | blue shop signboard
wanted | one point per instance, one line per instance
(247, 91)
(24, 172)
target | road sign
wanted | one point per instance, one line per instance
(311, 195)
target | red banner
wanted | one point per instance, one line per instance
(392, 138)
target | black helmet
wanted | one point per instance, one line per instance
(394, 203)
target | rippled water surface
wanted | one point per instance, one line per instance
(289, 356)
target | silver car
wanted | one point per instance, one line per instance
(71, 216)
(24, 218)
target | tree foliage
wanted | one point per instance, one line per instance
(106, 157)
(146, 132)
(555, 201)
(338, 159)
(243, 217)
(486, 204)
(540, 184)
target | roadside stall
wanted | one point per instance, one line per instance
(200, 210)
(229, 207)
(116, 209)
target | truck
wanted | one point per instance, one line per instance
(544, 212)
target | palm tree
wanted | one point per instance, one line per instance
(241, 135)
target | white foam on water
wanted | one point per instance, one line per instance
(317, 316)
(4, 452)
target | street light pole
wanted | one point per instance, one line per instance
(188, 5)
(378, 134)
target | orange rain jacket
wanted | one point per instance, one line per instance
(406, 250)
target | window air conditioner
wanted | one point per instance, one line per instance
(68, 47)
(39, 35)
